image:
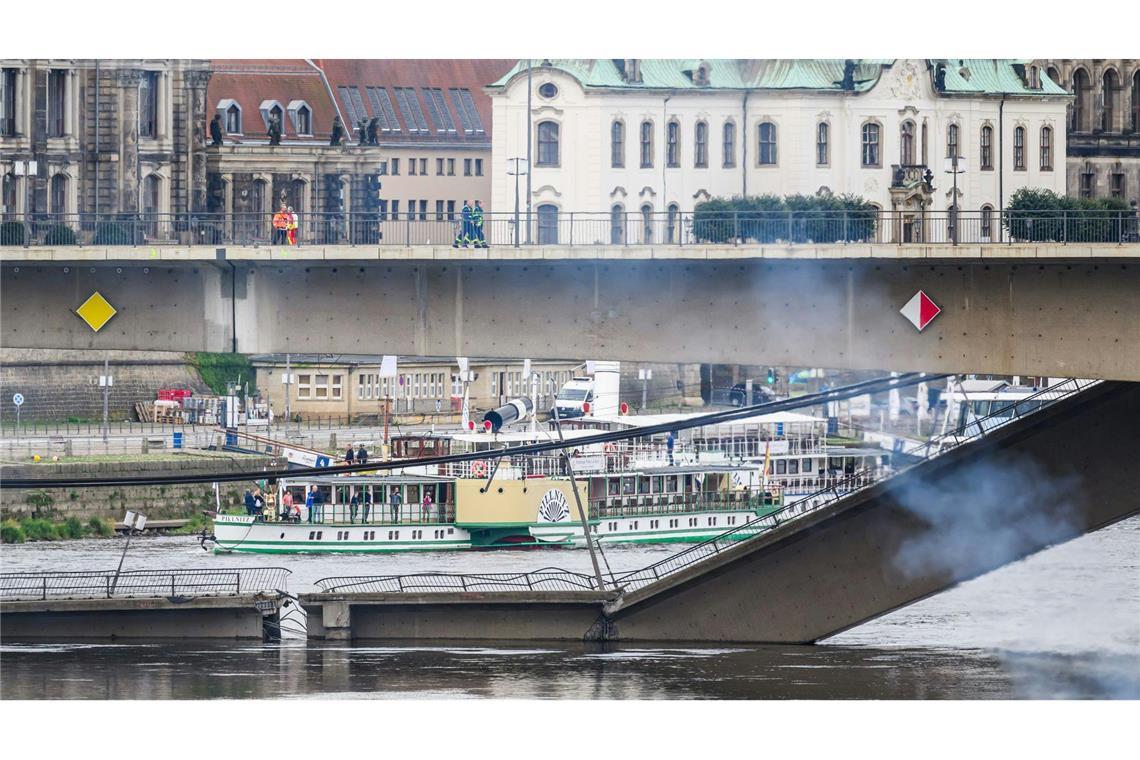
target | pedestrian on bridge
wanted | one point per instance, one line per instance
(477, 226)
(280, 225)
(291, 227)
(465, 236)
(362, 455)
(349, 455)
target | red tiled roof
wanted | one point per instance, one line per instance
(251, 82)
(442, 74)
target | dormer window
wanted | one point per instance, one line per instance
(231, 116)
(302, 117)
(269, 109)
(701, 75)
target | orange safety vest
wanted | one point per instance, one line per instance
(280, 220)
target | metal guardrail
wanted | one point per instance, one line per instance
(546, 579)
(566, 579)
(103, 584)
(579, 228)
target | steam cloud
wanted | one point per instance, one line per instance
(985, 515)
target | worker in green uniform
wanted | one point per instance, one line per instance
(464, 237)
(477, 225)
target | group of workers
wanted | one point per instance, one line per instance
(285, 226)
(471, 227)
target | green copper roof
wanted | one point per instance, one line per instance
(963, 76)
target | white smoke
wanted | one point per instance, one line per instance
(984, 515)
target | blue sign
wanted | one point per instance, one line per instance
(178, 440)
(779, 428)
(231, 439)
(322, 461)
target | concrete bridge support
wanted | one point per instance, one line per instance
(1004, 310)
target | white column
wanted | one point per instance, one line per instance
(23, 104)
(228, 190)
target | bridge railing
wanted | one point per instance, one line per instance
(575, 228)
(558, 579)
(546, 579)
(107, 584)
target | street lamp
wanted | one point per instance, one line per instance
(951, 167)
(516, 174)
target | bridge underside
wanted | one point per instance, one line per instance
(1061, 317)
(1053, 476)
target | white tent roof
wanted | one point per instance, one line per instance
(645, 420)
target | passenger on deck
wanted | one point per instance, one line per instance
(395, 500)
(353, 505)
(318, 504)
(258, 504)
(367, 506)
(250, 504)
(427, 505)
(287, 506)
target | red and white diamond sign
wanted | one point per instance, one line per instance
(920, 310)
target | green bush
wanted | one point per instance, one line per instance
(12, 233)
(817, 218)
(72, 528)
(59, 234)
(216, 370)
(101, 527)
(11, 532)
(39, 529)
(1037, 215)
(111, 233)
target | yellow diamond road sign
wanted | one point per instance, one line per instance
(96, 311)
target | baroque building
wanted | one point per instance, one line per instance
(652, 138)
(1103, 150)
(412, 142)
(107, 137)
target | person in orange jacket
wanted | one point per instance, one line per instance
(280, 225)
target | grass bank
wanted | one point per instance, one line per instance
(41, 529)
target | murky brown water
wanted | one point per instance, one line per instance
(1064, 623)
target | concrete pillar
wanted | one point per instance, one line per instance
(337, 620)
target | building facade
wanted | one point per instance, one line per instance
(1103, 150)
(648, 137)
(107, 137)
(413, 142)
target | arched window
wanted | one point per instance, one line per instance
(1111, 98)
(646, 145)
(304, 121)
(1136, 101)
(646, 223)
(547, 143)
(617, 224)
(987, 221)
(8, 195)
(1082, 101)
(617, 144)
(822, 144)
(1046, 149)
(952, 141)
(766, 139)
(547, 224)
(701, 145)
(674, 216)
(1019, 148)
(906, 143)
(233, 119)
(59, 194)
(729, 144)
(987, 147)
(673, 145)
(871, 144)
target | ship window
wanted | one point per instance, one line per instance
(805, 465)
(312, 534)
(320, 533)
(793, 467)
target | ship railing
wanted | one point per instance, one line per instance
(381, 512)
(679, 503)
(844, 487)
(107, 584)
(546, 579)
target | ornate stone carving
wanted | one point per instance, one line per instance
(905, 84)
(128, 77)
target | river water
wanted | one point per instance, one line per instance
(1064, 623)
